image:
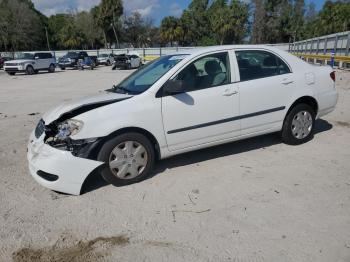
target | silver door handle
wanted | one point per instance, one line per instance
(230, 93)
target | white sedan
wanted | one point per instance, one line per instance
(175, 104)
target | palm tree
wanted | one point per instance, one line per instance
(170, 30)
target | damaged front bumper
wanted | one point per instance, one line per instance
(57, 169)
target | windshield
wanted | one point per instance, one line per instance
(146, 76)
(25, 56)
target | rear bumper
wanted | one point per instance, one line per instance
(56, 169)
(327, 102)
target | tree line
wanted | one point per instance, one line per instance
(204, 22)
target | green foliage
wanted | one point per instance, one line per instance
(21, 27)
(69, 36)
(221, 22)
(171, 30)
(108, 15)
(288, 21)
(204, 22)
(137, 31)
(334, 17)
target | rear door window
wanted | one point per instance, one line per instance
(255, 64)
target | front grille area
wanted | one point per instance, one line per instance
(11, 64)
(40, 128)
(13, 69)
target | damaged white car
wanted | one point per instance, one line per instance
(175, 104)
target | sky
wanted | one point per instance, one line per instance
(155, 9)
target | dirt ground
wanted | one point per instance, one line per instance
(253, 200)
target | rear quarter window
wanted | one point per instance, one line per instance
(255, 64)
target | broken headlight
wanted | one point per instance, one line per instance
(68, 128)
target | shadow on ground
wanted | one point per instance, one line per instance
(95, 181)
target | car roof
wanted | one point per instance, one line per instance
(201, 50)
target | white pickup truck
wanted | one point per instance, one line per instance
(31, 63)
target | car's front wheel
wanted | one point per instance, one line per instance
(129, 159)
(299, 124)
(30, 70)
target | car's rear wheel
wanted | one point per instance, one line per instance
(52, 68)
(30, 70)
(108, 63)
(129, 159)
(299, 124)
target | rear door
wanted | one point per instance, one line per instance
(208, 110)
(39, 60)
(266, 85)
(47, 60)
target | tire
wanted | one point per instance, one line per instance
(30, 70)
(108, 63)
(137, 167)
(11, 73)
(52, 68)
(299, 124)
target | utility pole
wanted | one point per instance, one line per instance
(47, 39)
(115, 33)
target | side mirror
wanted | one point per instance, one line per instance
(173, 87)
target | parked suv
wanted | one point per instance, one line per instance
(71, 59)
(105, 59)
(31, 63)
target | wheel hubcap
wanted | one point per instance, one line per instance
(302, 125)
(128, 160)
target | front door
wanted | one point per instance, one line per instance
(207, 111)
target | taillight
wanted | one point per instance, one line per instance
(332, 75)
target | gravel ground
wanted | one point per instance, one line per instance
(253, 200)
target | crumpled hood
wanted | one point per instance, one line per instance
(82, 105)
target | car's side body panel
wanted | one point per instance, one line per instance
(263, 105)
(40, 63)
(191, 120)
